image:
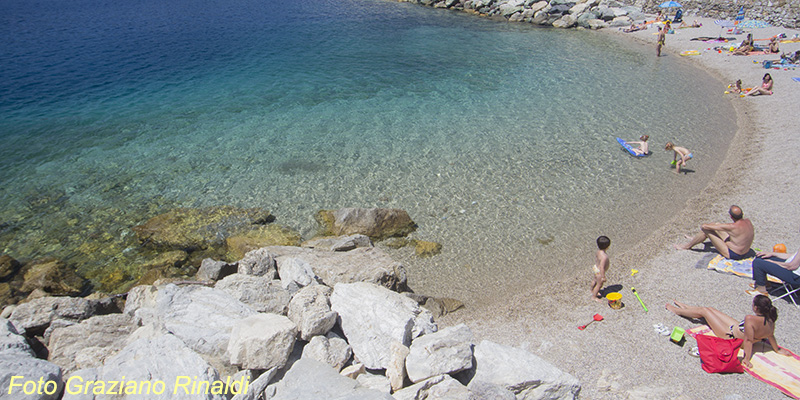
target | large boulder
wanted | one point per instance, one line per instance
(311, 379)
(377, 223)
(17, 370)
(258, 262)
(36, 315)
(338, 243)
(330, 349)
(53, 277)
(213, 270)
(567, 21)
(262, 341)
(360, 265)
(165, 362)
(88, 343)
(445, 352)
(12, 343)
(200, 316)
(438, 387)
(198, 228)
(296, 272)
(260, 293)
(371, 330)
(310, 310)
(521, 372)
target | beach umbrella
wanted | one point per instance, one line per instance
(752, 23)
(740, 15)
(724, 23)
(671, 3)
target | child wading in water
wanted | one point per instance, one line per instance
(684, 153)
(600, 267)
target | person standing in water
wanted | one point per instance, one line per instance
(662, 37)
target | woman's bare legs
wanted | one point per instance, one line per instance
(718, 321)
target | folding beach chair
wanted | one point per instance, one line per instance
(789, 290)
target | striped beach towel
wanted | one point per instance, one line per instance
(782, 372)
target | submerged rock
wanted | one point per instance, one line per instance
(198, 228)
(262, 236)
(377, 223)
(53, 277)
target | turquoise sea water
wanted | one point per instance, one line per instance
(497, 138)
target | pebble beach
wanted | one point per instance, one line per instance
(623, 357)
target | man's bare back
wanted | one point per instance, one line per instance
(732, 240)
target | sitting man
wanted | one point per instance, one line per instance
(777, 265)
(732, 240)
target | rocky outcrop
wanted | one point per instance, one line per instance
(360, 265)
(377, 223)
(523, 373)
(260, 293)
(338, 243)
(445, 352)
(372, 330)
(201, 317)
(310, 310)
(311, 379)
(35, 316)
(88, 343)
(262, 341)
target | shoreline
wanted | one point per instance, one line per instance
(623, 357)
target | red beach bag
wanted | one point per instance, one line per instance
(719, 355)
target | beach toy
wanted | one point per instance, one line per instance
(639, 298)
(634, 272)
(597, 317)
(677, 335)
(779, 248)
(726, 92)
(673, 162)
(614, 300)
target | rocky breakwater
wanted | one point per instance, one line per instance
(590, 14)
(329, 320)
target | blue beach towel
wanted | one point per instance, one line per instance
(796, 79)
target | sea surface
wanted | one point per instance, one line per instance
(497, 138)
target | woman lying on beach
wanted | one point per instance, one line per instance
(775, 265)
(766, 87)
(634, 27)
(752, 329)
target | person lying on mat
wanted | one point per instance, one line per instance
(752, 329)
(643, 146)
(732, 240)
(775, 264)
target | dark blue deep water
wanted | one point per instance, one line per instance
(497, 138)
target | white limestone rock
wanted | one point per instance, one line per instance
(365, 264)
(441, 387)
(258, 262)
(445, 352)
(35, 316)
(200, 316)
(375, 382)
(309, 379)
(30, 368)
(521, 372)
(262, 294)
(12, 343)
(213, 270)
(310, 309)
(372, 317)
(298, 271)
(142, 296)
(262, 341)
(329, 349)
(396, 370)
(88, 343)
(338, 243)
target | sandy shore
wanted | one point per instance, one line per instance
(623, 357)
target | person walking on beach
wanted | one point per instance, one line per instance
(732, 240)
(600, 266)
(662, 37)
(684, 154)
(752, 329)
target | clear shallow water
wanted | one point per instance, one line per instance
(497, 138)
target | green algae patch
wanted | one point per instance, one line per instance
(191, 229)
(424, 248)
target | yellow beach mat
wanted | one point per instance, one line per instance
(690, 53)
(782, 372)
(742, 267)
